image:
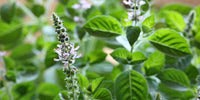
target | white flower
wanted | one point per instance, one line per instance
(76, 6)
(2, 53)
(76, 18)
(142, 2)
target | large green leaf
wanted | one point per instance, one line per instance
(83, 81)
(148, 24)
(102, 94)
(174, 79)
(170, 42)
(132, 34)
(103, 26)
(131, 85)
(125, 57)
(171, 94)
(96, 83)
(22, 52)
(175, 20)
(47, 91)
(154, 64)
(7, 12)
(10, 33)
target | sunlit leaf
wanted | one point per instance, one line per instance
(103, 26)
(170, 42)
(131, 85)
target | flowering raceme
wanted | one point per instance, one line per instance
(135, 11)
(67, 54)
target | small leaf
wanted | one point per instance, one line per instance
(125, 57)
(96, 83)
(148, 24)
(47, 91)
(154, 63)
(131, 85)
(102, 94)
(80, 32)
(170, 42)
(10, 76)
(25, 89)
(192, 73)
(50, 55)
(174, 79)
(9, 63)
(175, 20)
(115, 73)
(103, 26)
(96, 56)
(38, 10)
(83, 81)
(22, 52)
(10, 33)
(7, 12)
(145, 7)
(132, 34)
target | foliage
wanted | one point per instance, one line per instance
(129, 50)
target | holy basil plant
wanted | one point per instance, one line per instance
(99, 50)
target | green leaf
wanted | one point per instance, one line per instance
(154, 63)
(185, 9)
(38, 10)
(9, 63)
(50, 55)
(131, 85)
(102, 94)
(178, 63)
(132, 34)
(170, 42)
(8, 12)
(170, 94)
(60, 76)
(148, 24)
(174, 79)
(197, 40)
(62, 94)
(175, 20)
(83, 81)
(115, 72)
(80, 32)
(125, 57)
(22, 90)
(47, 91)
(145, 7)
(192, 73)
(96, 83)
(10, 76)
(108, 85)
(96, 56)
(10, 33)
(22, 52)
(103, 26)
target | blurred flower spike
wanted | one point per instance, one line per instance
(66, 50)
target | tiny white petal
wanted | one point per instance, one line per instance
(76, 6)
(142, 2)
